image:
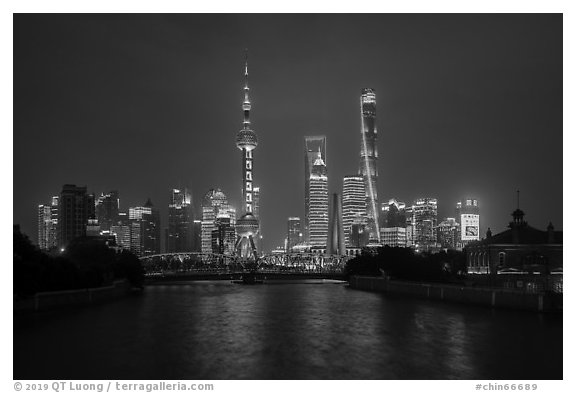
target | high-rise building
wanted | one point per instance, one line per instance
(48, 225)
(353, 204)
(393, 214)
(313, 145)
(318, 203)
(223, 236)
(448, 232)
(121, 231)
(74, 209)
(393, 237)
(179, 234)
(144, 229)
(368, 159)
(335, 243)
(197, 236)
(468, 216)
(359, 234)
(424, 218)
(393, 231)
(247, 226)
(294, 236)
(107, 207)
(213, 204)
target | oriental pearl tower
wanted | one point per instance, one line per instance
(247, 226)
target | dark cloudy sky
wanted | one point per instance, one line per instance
(466, 105)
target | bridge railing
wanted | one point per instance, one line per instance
(205, 262)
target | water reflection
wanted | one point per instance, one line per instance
(217, 330)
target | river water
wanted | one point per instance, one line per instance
(285, 330)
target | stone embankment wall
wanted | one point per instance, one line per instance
(78, 297)
(493, 297)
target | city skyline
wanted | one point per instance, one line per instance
(494, 107)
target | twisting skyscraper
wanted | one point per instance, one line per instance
(247, 226)
(368, 159)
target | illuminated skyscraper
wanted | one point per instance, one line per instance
(223, 236)
(107, 206)
(468, 216)
(393, 229)
(313, 145)
(179, 234)
(318, 204)
(247, 226)
(368, 159)
(294, 233)
(353, 204)
(448, 234)
(48, 225)
(144, 229)
(424, 218)
(214, 203)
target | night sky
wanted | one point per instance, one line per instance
(467, 105)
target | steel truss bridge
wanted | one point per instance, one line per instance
(205, 263)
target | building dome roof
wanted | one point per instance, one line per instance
(246, 139)
(214, 197)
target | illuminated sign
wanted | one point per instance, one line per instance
(470, 228)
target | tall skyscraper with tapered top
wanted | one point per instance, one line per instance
(318, 210)
(368, 159)
(247, 226)
(313, 145)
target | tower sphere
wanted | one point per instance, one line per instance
(247, 225)
(246, 139)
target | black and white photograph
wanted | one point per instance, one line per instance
(288, 196)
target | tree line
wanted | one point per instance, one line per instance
(85, 263)
(404, 264)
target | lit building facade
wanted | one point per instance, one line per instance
(468, 217)
(318, 203)
(448, 232)
(107, 208)
(369, 158)
(121, 231)
(423, 223)
(294, 233)
(393, 237)
(74, 209)
(48, 225)
(214, 203)
(359, 233)
(180, 231)
(223, 236)
(312, 145)
(393, 231)
(353, 204)
(144, 229)
(248, 225)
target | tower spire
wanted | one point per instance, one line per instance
(246, 104)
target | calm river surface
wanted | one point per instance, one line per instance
(285, 330)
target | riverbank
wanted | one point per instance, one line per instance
(483, 296)
(178, 277)
(43, 301)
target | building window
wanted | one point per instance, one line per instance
(501, 258)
